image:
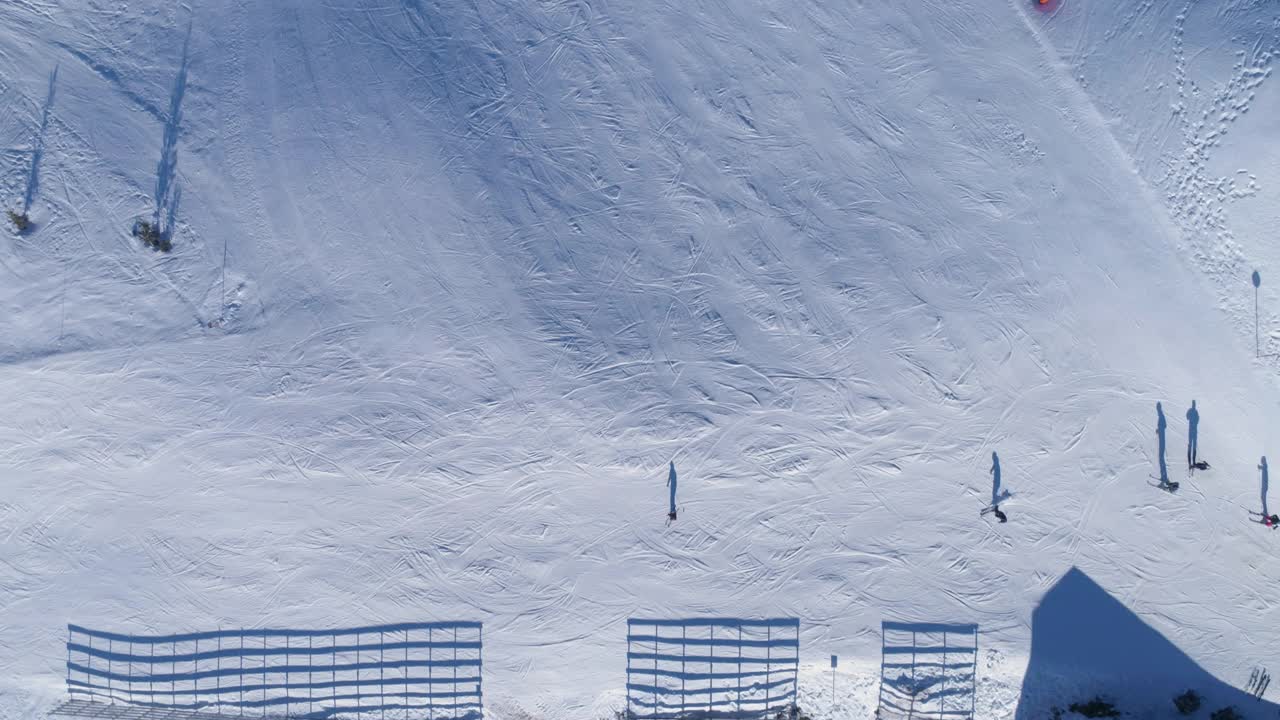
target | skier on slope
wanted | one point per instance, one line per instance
(1271, 521)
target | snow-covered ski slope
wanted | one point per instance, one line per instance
(453, 280)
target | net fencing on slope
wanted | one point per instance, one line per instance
(711, 667)
(927, 670)
(418, 670)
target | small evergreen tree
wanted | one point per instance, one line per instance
(1226, 713)
(1187, 703)
(151, 236)
(1099, 708)
(19, 220)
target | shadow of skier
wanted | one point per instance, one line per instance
(1266, 483)
(1161, 424)
(1193, 434)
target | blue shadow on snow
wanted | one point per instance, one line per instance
(1084, 643)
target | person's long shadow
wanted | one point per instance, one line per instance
(1193, 434)
(37, 154)
(1160, 430)
(996, 494)
(1266, 483)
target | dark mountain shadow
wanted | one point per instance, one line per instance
(1084, 643)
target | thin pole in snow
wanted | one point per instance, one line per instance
(740, 668)
(943, 694)
(1257, 343)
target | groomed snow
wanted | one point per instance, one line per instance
(453, 280)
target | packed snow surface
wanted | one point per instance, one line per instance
(453, 281)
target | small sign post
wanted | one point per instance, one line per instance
(1257, 282)
(834, 662)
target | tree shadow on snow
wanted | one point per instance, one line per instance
(167, 196)
(1084, 643)
(37, 154)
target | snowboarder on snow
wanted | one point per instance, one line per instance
(1193, 432)
(671, 483)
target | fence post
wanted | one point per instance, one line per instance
(480, 668)
(768, 665)
(711, 670)
(217, 673)
(310, 666)
(913, 673)
(942, 711)
(241, 654)
(795, 672)
(431, 672)
(71, 693)
(684, 652)
(973, 707)
(455, 670)
(130, 683)
(656, 695)
(382, 685)
(629, 711)
(740, 669)
(406, 673)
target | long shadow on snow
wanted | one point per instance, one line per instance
(1161, 425)
(1266, 484)
(1084, 642)
(33, 178)
(167, 195)
(998, 494)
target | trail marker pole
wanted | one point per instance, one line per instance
(834, 662)
(1257, 343)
